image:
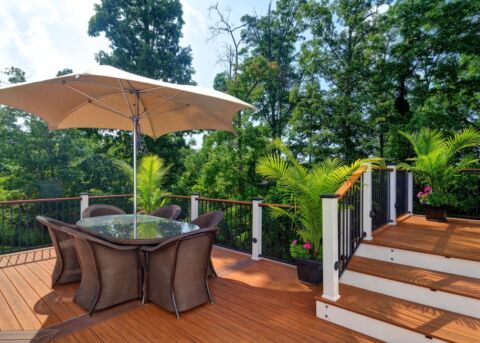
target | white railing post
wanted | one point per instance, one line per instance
(393, 195)
(83, 203)
(194, 206)
(330, 247)
(367, 201)
(410, 193)
(256, 229)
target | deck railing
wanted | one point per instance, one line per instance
(380, 197)
(365, 202)
(248, 226)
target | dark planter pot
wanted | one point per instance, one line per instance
(436, 213)
(309, 271)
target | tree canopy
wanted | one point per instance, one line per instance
(330, 78)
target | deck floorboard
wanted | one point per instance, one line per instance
(255, 301)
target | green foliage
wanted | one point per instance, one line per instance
(144, 38)
(300, 251)
(303, 187)
(438, 161)
(151, 173)
(441, 199)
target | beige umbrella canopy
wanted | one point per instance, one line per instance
(108, 98)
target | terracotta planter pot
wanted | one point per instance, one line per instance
(309, 271)
(436, 213)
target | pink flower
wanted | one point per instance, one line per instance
(307, 246)
(294, 242)
(427, 189)
(419, 195)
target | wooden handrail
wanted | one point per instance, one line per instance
(30, 201)
(109, 196)
(350, 182)
(227, 201)
(177, 196)
(266, 204)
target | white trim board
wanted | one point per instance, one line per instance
(417, 294)
(369, 326)
(417, 259)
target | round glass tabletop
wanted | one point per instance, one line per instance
(150, 229)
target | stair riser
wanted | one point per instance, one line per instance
(421, 260)
(421, 295)
(369, 326)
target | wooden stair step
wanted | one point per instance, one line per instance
(426, 320)
(454, 239)
(434, 280)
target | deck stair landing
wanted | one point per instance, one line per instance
(417, 281)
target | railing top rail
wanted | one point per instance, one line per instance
(29, 201)
(350, 182)
(266, 204)
(227, 201)
(178, 196)
(382, 169)
(109, 196)
(470, 170)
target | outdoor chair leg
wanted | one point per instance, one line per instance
(174, 302)
(210, 297)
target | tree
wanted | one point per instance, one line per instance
(428, 75)
(338, 54)
(144, 38)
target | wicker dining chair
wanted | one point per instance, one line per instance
(101, 210)
(67, 267)
(111, 273)
(171, 212)
(209, 220)
(175, 271)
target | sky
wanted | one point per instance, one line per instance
(44, 36)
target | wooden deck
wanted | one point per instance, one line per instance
(254, 301)
(456, 238)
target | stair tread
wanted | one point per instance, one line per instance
(438, 281)
(429, 321)
(455, 238)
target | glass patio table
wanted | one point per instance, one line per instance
(150, 230)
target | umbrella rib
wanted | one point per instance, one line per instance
(95, 100)
(126, 98)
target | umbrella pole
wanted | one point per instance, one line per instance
(135, 121)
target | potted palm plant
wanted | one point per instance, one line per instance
(150, 176)
(304, 187)
(437, 164)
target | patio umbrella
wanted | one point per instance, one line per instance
(109, 98)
